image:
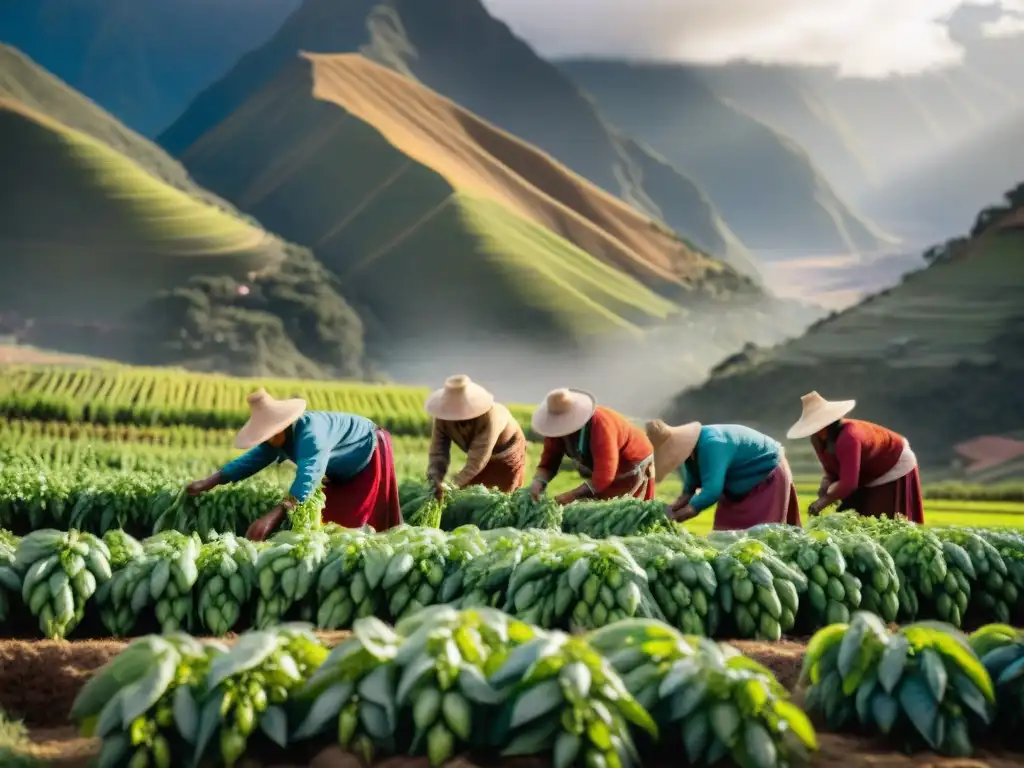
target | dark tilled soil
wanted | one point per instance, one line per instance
(40, 679)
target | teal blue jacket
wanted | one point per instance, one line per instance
(338, 445)
(729, 459)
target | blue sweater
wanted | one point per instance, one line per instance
(732, 459)
(338, 445)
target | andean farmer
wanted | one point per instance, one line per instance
(614, 457)
(741, 470)
(868, 468)
(465, 413)
(349, 453)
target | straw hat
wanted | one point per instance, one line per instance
(267, 417)
(672, 445)
(563, 412)
(460, 400)
(817, 414)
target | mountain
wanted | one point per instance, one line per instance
(143, 60)
(382, 177)
(939, 194)
(457, 49)
(95, 238)
(937, 357)
(766, 186)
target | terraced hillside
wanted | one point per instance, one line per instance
(384, 178)
(766, 186)
(938, 357)
(77, 213)
(112, 250)
(456, 48)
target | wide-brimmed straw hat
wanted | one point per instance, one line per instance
(267, 417)
(672, 445)
(817, 414)
(461, 399)
(563, 412)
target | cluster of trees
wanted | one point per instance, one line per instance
(986, 218)
(291, 321)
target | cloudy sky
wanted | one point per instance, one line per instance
(861, 38)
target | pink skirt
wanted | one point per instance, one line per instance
(773, 500)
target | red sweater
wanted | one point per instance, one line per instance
(863, 453)
(616, 446)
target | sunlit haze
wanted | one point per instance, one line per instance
(860, 38)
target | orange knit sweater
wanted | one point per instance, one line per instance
(615, 447)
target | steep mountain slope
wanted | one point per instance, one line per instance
(92, 238)
(78, 213)
(938, 357)
(765, 185)
(457, 49)
(940, 193)
(384, 178)
(143, 60)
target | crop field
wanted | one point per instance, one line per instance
(99, 546)
(149, 397)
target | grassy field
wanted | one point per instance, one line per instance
(110, 225)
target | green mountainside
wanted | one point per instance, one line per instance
(98, 223)
(937, 357)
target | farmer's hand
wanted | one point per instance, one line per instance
(438, 489)
(566, 498)
(681, 502)
(684, 514)
(537, 489)
(264, 526)
(823, 487)
(816, 506)
(197, 487)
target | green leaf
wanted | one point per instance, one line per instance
(893, 662)
(953, 645)
(274, 724)
(537, 702)
(637, 715)
(248, 652)
(821, 642)
(917, 702)
(850, 648)
(934, 673)
(683, 704)
(696, 731)
(537, 738)
(725, 722)
(140, 696)
(325, 708)
(209, 721)
(885, 710)
(970, 697)
(797, 722)
(114, 751)
(186, 713)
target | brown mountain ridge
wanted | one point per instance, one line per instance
(383, 177)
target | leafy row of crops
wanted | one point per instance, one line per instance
(83, 445)
(444, 682)
(159, 397)
(759, 584)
